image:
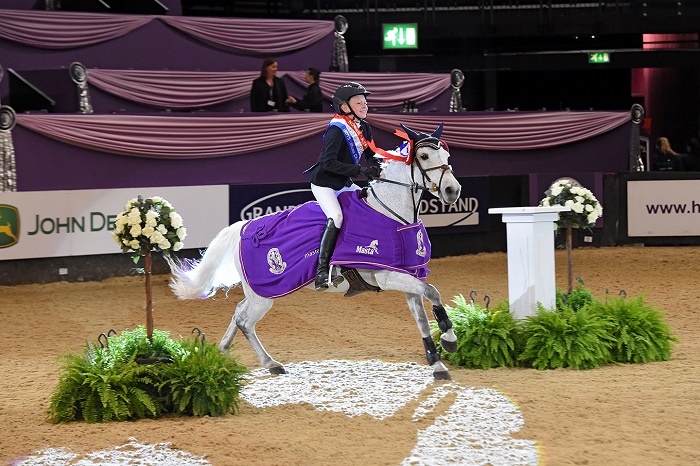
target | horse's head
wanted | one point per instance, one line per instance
(429, 165)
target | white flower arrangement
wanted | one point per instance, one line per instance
(585, 208)
(149, 224)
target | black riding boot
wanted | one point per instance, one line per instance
(330, 235)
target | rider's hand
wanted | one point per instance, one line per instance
(370, 172)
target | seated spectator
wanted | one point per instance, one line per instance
(691, 162)
(313, 99)
(268, 93)
(665, 158)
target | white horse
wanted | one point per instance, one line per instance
(397, 195)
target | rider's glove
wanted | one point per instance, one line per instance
(370, 172)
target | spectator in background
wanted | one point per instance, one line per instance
(691, 162)
(665, 158)
(313, 99)
(269, 93)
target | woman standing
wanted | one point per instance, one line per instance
(269, 93)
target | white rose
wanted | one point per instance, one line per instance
(116, 238)
(545, 202)
(569, 203)
(556, 190)
(178, 245)
(162, 228)
(130, 204)
(592, 217)
(165, 244)
(134, 217)
(148, 231)
(175, 220)
(589, 208)
(135, 245)
(577, 207)
(579, 199)
(181, 232)
(156, 199)
(135, 230)
(152, 218)
(157, 237)
(125, 241)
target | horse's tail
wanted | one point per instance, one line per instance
(200, 279)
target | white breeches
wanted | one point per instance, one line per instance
(328, 201)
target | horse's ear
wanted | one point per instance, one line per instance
(438, 132)
(411, 134)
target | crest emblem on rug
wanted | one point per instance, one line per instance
(274, 260)
(421, 244)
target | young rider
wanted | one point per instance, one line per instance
(346, 140)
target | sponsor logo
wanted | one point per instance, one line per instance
(276, 202)
(9, 225)
(96, 221)
(370, 250)
(274, 260)
(462, 213)
(421, 251)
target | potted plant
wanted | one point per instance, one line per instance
(146, 226)
(585, 211)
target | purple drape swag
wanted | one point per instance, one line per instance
(185, 137)
(63, 30)
(195, 89)
(174, 89)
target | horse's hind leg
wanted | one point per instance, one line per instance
(248, 313)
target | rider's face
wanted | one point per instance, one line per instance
(358, 103)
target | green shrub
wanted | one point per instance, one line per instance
(486, 338)
(94, 391)
(639, 332)
(108, 383)
(578, 298)
(202, 382)
(566, 338)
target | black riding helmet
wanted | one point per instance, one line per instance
(343, 94)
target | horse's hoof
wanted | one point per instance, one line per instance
(277, 370)
(449, 346)
(442, 375)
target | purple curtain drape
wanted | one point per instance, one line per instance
(62, 30)
(194, 89)
(509, 131)
(174, 89)
(388, 89)
(190, 137)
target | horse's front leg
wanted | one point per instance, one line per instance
(414, 291)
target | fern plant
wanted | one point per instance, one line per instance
(639, 332)
(202, 381)
(95, 391)
(485, 338)
(566, 338)
(109, 384)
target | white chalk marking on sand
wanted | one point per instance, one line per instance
(132, 454)
(475, 430)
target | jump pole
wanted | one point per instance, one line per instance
(530, 243)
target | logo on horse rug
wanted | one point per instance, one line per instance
(279, 252)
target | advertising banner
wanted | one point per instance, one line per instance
(468, 213)
(74, 223)
(663, 208)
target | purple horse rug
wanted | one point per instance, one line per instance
(279, 252)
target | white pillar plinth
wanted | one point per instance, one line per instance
(531, 274)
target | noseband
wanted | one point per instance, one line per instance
(433, 143)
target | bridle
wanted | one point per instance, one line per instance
(436, 144)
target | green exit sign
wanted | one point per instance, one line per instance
(599, 57)
(400, 36)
